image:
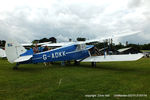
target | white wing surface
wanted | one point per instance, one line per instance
(110, 58)
(114, 36)
(2, 53)
(23, 58)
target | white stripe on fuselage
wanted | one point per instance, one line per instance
(58, 54)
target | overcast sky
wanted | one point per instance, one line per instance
(26, 20)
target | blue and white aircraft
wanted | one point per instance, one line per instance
(71, 51)
(79, 51)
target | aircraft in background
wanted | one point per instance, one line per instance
(2, 53)
(74, 51)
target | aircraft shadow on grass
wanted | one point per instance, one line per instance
(42, 67)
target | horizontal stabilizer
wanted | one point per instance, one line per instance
(110, 58)
(23, 58)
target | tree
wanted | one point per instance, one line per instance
(35, 41)
(43, 40)
(119, 46)
(53, 39)
(3, 43)
(81, 39)
(70, 40)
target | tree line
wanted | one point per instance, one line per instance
(107, 43)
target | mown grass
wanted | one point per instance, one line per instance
(36, 82)
(145, 50)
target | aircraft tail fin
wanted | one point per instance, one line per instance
(13, 50)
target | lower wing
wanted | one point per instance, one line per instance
(110, 58)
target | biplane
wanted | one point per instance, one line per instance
(74, 51)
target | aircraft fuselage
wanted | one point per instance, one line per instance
(61, 54)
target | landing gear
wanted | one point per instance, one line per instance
(68, 62)
(62, 63)
(76, 63)
(93, 64)
(16, 66)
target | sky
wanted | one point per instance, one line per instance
(27, 20)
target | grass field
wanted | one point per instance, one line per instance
(36, 82)
(145, 50)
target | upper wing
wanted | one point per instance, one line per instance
(108, 37)
(80, 42)
(58, 44)
(109, 58)
(27, 44)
